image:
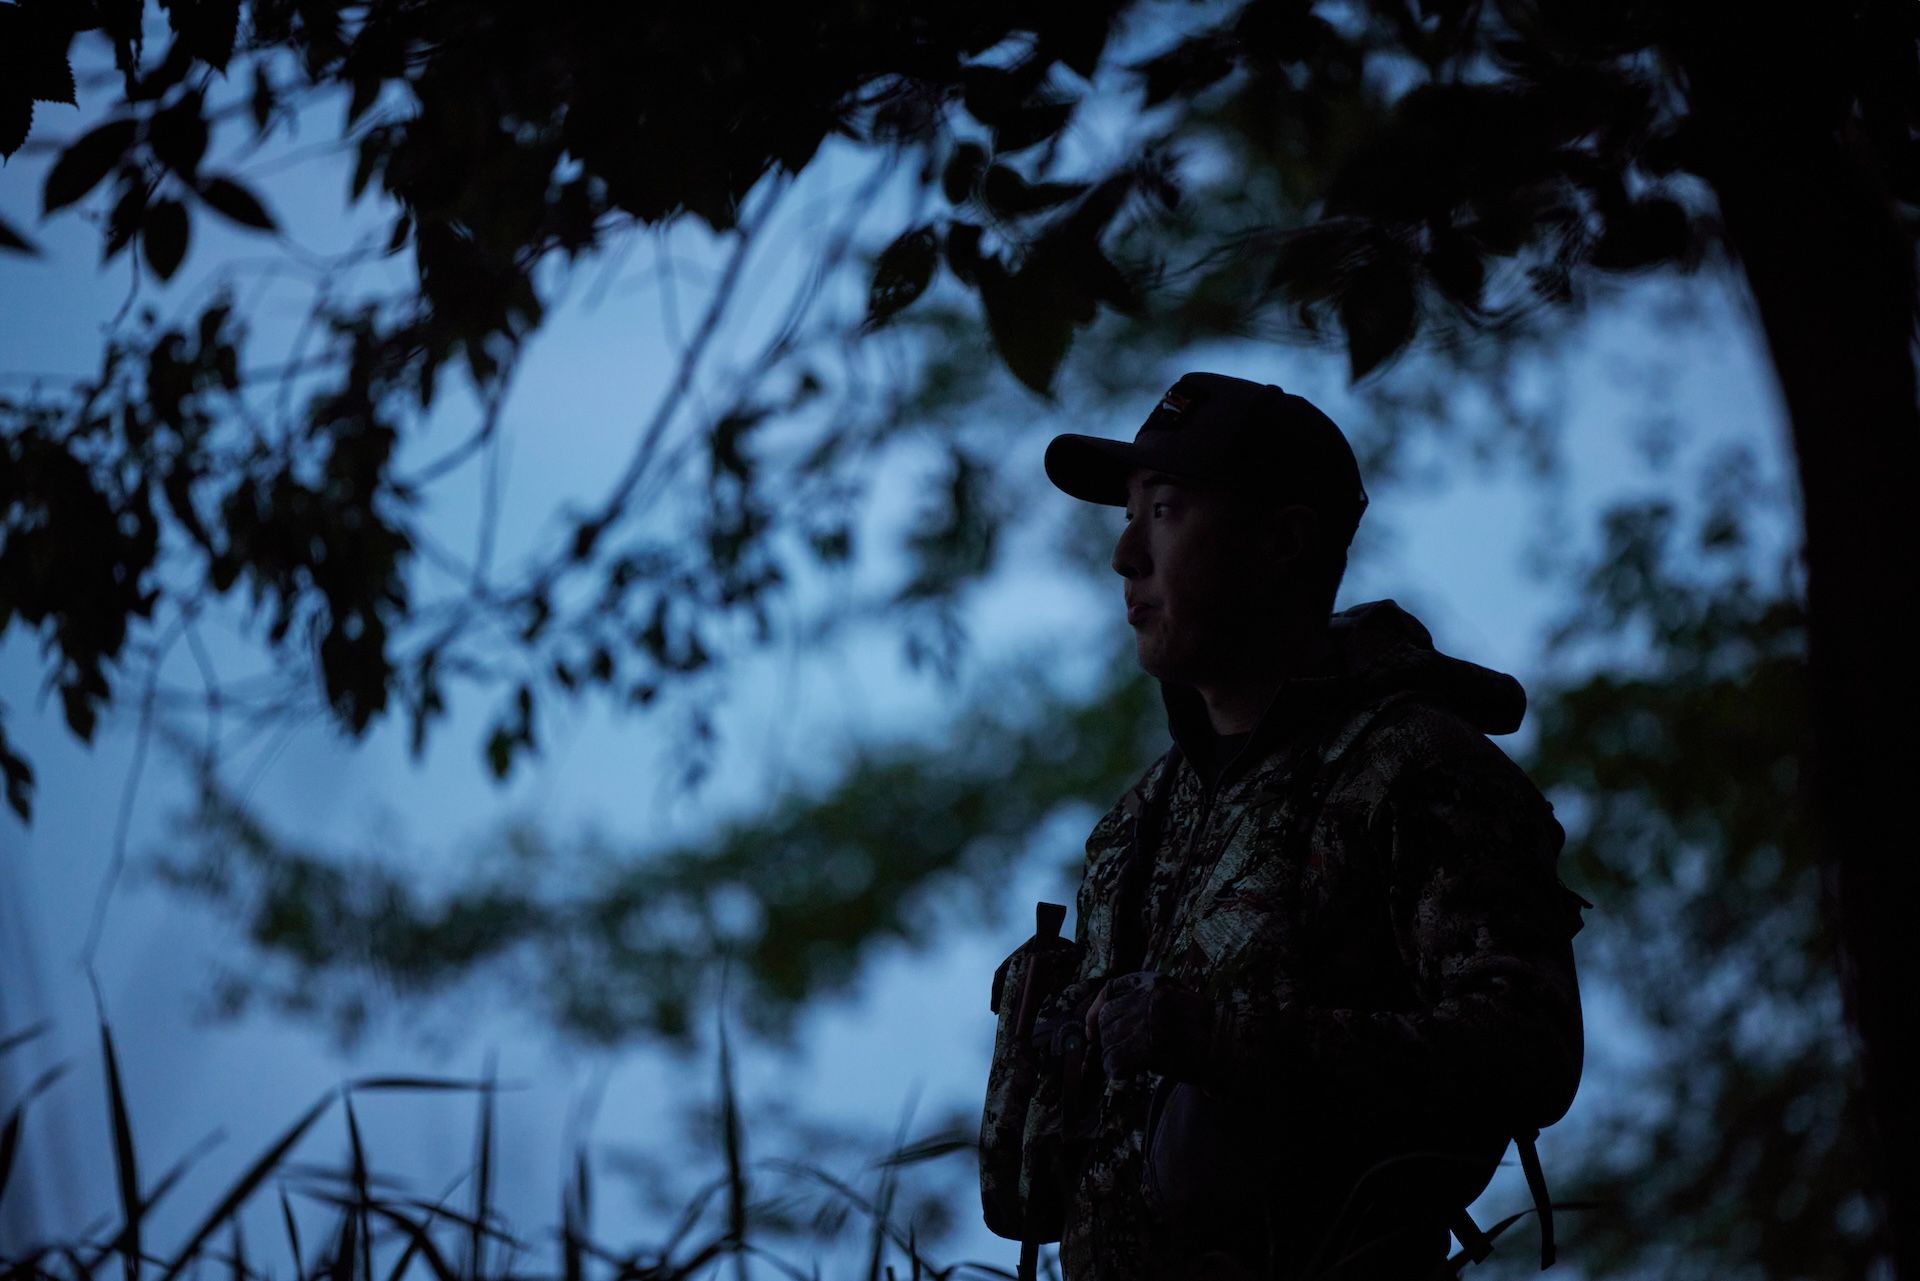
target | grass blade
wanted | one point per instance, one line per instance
(883, 1205)
(483, 1182)
(157, 1191)
(293, 1238)
(10, 1134)
(9, 1141)
(420, 1240)
(930, 1149)
(492, 1233)
(126, 1167)
(245, 1185)
(362, 1195)
(343, 1243)
(690, 1216)
(14, 1039)
(731, 1143)
(378, 1083)
(342, 1175)
(572, 1265)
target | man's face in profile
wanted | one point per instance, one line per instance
(1192, 591)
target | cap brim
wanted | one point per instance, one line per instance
(1096, 470)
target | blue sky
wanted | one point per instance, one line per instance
(1450, 548)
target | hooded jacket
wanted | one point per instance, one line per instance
(1366, 895)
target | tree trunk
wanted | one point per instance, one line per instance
(1832, 274)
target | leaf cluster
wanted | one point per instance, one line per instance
(1381, 172)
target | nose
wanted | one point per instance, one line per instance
(1129, 553)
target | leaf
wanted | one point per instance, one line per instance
(1030, 329)
(904, 270)
(260, 102)
(962, 172)
(1185, 69)
(963, 250)
(13, 242)
(372, 152)
(500, 746)
(1456, 268)
(164, 237)
(1644, 234)
(1310, 263)
(82, 165)
(52, 81)
(1031, 124)
(230, 198)
(178, 136)
(128, 213)
(212, 29)
(1009, 195)
(1378, 310)
(1076, 35)
(16, 119)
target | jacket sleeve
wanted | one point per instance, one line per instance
(1491, 1022)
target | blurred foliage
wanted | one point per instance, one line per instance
(1731, 1142)
(608, 944)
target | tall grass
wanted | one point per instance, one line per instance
(380, 1231)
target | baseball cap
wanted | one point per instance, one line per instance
(1230, 431)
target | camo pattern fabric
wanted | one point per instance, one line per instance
(1371, 906)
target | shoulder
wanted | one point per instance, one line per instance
(1414, 748)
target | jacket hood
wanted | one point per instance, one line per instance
(1385, 649)
(1375, 649)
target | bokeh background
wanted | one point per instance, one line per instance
(699, 655)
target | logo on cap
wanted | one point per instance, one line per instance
(1174, 403)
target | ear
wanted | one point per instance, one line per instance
(1294, 530)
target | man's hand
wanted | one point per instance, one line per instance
(1147, 1022)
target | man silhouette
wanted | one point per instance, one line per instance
(1322, 968)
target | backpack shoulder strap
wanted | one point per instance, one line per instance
(1130, 949)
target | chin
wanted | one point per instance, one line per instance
(1154, 662)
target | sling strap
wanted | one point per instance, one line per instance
(1476, 1245)
(1130, 948)
(1537, 1184)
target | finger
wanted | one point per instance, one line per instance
(1093, 1013)
(1124, 1056)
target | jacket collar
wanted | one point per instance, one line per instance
(1373, 649)
(1293, 701)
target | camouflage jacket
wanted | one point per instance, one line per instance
(1366, 893)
